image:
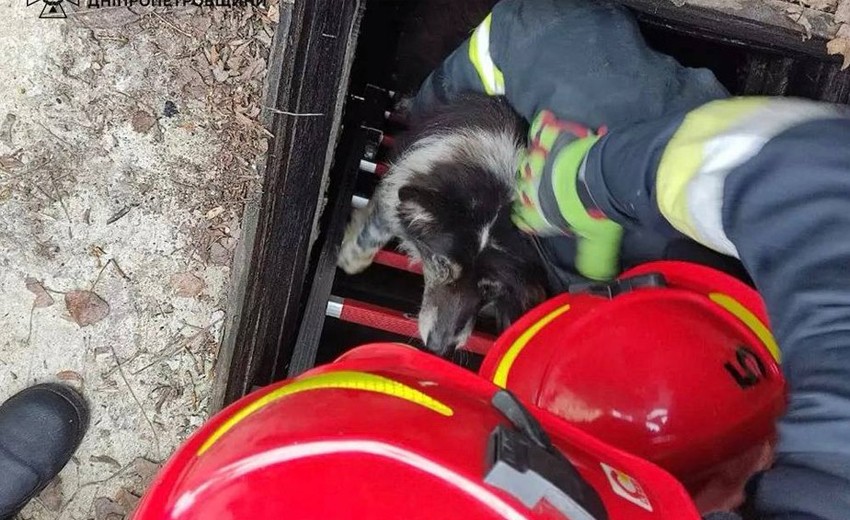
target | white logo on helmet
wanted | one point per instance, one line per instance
(626, 487)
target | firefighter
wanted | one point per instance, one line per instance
(623, 139)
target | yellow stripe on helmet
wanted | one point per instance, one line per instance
(500, 377)
(349, 380)
(749, 319)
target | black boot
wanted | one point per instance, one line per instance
(40, 428)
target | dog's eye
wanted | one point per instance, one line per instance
(489, 289)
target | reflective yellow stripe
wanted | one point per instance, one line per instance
(479, 54)
(684, 155)
(750, 320)
(349, 380)
(501, 375)
(712, 142)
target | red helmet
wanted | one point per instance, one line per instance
(388, 431)
(673, 362)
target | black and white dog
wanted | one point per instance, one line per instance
(447, 198)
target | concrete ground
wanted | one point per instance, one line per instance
(129, 145)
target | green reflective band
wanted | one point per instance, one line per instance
(598, 240)
(491, 77)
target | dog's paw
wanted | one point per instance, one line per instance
(352, 257)
(353, 260)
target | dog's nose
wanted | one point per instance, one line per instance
(441, 345)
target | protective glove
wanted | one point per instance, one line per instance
(552, 198)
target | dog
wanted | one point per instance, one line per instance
(447, 198)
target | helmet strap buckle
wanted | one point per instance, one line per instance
(620, 286)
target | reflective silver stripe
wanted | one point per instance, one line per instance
(730, 149)
(490, 75)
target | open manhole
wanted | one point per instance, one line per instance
(342, 63)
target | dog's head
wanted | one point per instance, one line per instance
(456, 220)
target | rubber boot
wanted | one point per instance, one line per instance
(40, 429)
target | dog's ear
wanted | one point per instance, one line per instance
(416, 207)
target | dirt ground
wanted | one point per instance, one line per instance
(129, 145)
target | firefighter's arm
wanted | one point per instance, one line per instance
(471, 67)
(767, 181)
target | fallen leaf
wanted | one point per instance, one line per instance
(254, 69)
(6, 129)
(841, 44)
(145, 469)
(820, 5)
(107, 509)
(213, 213)
(274, 13)
(243, 119)
(219, 255)
(128, 500)
(219, 73)
(187, 285)
(70, 375)
(798, 15)
(842, 12)
(142, 121)
(8, 162)
(42, 297)
(105, 459)
(86, 307)
(51, 496)
(212, 55)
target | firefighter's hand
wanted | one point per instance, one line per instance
(549, 197)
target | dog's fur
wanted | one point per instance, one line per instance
(447, 198)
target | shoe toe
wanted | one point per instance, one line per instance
(40, 428)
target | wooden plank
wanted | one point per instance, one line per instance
(313, 81)
(764, 24)
(343, 179)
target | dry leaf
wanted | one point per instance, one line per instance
(106, 509)
(105, 459)
(6, 129)
(51, 496)
(820, 5)
(142, 121)
(145, 469)
(219, 73)
(8, 162)
(797, 14)
(243, 119)
(42, 297)
(219, 255)
(842, 12)
(128, 500)
(213, 213)
(86, 307)
(274, 13)
(212, 55)
(70, 375)
(841, 45)
(187, 285)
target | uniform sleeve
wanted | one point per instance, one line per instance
(584, 60)
(470, 68)
(766, 181)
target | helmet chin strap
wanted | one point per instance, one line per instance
(524, 463)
